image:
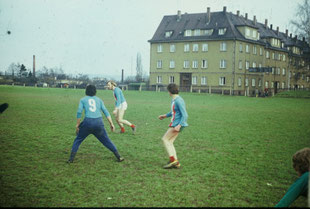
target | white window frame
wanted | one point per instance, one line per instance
(172, 64)
(239, 81)
(222, 31)
(159, 48)
(247, 65)
(240, 65)
(159, 64)
(223, 47)
(283, 71)
(223, 64)
(204, 64)
(186, 47)
(171, 79)
(188, 33)
(240, 47)
(172, 48)
(222, 81)
(203, 80)
(195, 47)
(186, 64)
(194, 80)
(253, 82)
(205, 47)
(195, 64)
(247, 48)
(159, 79)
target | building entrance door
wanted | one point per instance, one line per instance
(185, 81)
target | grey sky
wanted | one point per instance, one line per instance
(104, 36)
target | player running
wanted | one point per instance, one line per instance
(120, 107)
(178, 122)
(92, 123)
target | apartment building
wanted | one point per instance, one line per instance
(228, 53)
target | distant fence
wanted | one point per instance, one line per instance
(224, 90)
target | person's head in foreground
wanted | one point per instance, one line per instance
(173, 89)
(111, 84)
(301, 161)
(90, 90)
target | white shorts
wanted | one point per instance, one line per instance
(122, 106)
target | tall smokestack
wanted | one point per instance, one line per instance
(246, 16)
(238, 13)
(277, 30)
(179, 15)
(266, 23)
(34, 66)
(208, 15)
(270, 26)
(286, 32)
(224, 9)
(254, 19)
(122, 76)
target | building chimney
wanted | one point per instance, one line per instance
(238, 13)
(286, 33)
(266, 23)
(254, 19)
(34, 66)
(290, 35)
(179, 15)
(122, 76)
(246, 16)
(303, 39)
(270, 26)
(208, 15)
(224, 9)
(277, 30)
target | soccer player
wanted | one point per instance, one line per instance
(178, 122)
(301, 164)
(120, 107)
(92, 123)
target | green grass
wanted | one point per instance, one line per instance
(236, 151)
(294, 94)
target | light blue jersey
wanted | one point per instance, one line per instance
(119, 97)
(178, 112)
(92, 106)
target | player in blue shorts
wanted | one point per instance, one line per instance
(178, 122)
(92, 123)
(120, 107)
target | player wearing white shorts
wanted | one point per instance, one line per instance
(120, 107)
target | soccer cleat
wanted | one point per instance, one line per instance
(134, 129)
(70, 161)
(171, 164)
(177, 165)
(120, 159)
(121, 132)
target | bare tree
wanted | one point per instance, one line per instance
(139, 68)
(301, 23)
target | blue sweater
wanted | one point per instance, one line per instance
(178, 112)
(92, 106)
(119, 97)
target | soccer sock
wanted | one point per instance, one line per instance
(171, 159)
(122, 129)
(132, 126)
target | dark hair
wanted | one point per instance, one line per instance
(173, 88)
(301, 160)
(90, 90)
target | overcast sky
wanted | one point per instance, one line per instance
(104, 36)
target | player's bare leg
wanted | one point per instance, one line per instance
(168, 140)
(120, 116)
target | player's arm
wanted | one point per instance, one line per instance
(117, 93)
(107, 115)
(295, 190)
(78, 117)
(165, 116)
(181, 107)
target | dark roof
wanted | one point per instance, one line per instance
(217, 21)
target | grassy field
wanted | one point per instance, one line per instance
(236, 151)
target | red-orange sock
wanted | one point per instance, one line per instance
(132, 126)
(171, 159)
(122, 129)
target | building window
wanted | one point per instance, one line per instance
(267, 55)
(223, 46)
(260, 51)
(172, 48)
(247, 32)
(253, 82)
(204, 64)
(273, 56)
(239, 81)
(159, 79)
(186, 47)
(195, 48)
(246, 82)
(240, 64)
(159, 48)
(195, 64)
(290, 74)
(283, 85)
(278, 71)
(188, 33)
(254, 33)
(159, 64)
(247, 65)
(254, 64)
(284, 58)
(172, 64)
(205, 47)
(223, 64)
(273, 70)
(197, 32)
(171, 79)
(266, 84)
(260, 65)
(254, 50)
(194, 80)
(203, 80)
(186, 64)
(240, 48)
(247, 48)
(168, 34)
(307, 78)
(222, 31)
(259, 82)
(272, 84)
(283, 71)
(222, 81)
